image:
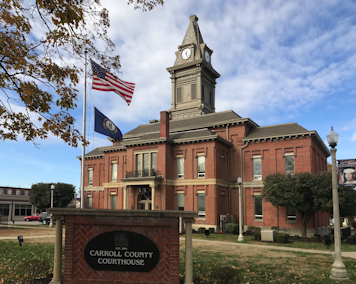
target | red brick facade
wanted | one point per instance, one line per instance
(81, 229)
(223, 160)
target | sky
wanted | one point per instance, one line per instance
(279, 61)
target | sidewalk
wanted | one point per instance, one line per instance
(344, 254)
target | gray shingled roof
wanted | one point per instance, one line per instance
(276, 130)
(196, 122)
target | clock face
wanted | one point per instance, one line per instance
(186, 53)
(207, 56)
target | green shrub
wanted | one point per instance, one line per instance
(201, 230)
(275, 228)
(257, 235)
(194, 231)
(282, 238)
(317, 235)
(315, 238)
(232, 228)
(253, 229)
(225, 275)
(211, 230)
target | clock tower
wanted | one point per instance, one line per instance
(193, 77)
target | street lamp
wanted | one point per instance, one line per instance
(338, 271)
(241, 236)
(52, 188)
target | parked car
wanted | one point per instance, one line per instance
(33, 217)
(45, 218)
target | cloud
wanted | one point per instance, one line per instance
(353, 138)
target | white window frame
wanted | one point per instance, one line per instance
(201, 213)
(112, 196)
(26, 192)
(152, 163)
(180, 174)
(285, 163)
(9, 192)
(200, 174)
(90, 201)
(257, 177)
(18, 192)
(1, 191)
(180, 196)
(257, 216)
(114, 171)
(291, 217)
(90, 176)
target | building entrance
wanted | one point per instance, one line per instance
(144, 199)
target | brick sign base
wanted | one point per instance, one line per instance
(161, 227)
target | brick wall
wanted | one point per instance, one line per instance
(81, 229)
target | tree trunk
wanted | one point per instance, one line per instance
(305, 222)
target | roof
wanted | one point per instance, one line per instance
(283, 131)
(201, 128)
(210, 120)
(275, 130)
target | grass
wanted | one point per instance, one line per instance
(292, 244)
(22, 263)
(282, 267)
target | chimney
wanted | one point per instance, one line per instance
(164, 124)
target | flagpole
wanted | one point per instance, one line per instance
(83, 147)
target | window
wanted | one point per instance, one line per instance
(4, 209)
(146, 164)
(114, 171)
(194, 91)
(180, 167)
(18, 192)
(112, 201)
(201, 166)
(90, 176)
(291, 213)
(23, 210)
(26, 192)
(9, 192)
(179, 95)
(211, 99)
(90, 201)
(289, 163)
(201, 205)
(257, 167)
(180, 201)
(258, 207)
(1, 191)
(202, 93)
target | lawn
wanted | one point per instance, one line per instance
(263, 266)
(19, 264)
(292, 243)
(34, 259)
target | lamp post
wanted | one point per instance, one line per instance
(338, 271)
(52, 188)
(241, 236)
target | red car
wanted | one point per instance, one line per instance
(33, 217)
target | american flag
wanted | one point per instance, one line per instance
(105, 81)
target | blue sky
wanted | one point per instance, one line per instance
(279, 61)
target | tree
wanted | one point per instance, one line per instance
(42, 46)
(40, 194)
(308, 193)
(347, 200)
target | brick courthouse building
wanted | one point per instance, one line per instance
(192, 157)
